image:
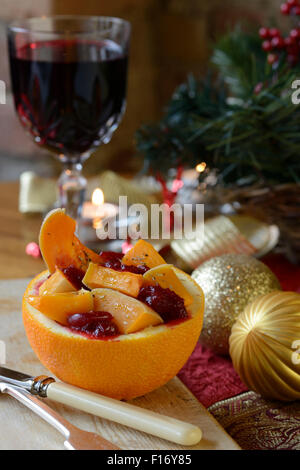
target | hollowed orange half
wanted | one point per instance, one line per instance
(125, 367)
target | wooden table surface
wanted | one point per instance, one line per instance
(16, 230)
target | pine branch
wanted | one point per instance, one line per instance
(241, 61)
(255, 137)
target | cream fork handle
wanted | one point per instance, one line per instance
(75, 438)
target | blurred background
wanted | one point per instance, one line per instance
(170, 38)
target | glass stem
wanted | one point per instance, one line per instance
(71, 189)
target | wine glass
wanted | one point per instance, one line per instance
(69, 78)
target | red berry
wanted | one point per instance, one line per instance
(294, 33)
(267, 46)
(75, 276)
(285, 9)
(293, 51)
(292, 59)
(164, 301)
(258, 88)
(94, 324)
(288, 41)
(33, 249)
(113, 260)
(292, 3)
(296, 11)
(272, 58)
(274, 32)
(264, 33)
(277, 43)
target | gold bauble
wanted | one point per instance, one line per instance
(229, 283)
(265, 346)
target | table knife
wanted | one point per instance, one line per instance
(120, 412)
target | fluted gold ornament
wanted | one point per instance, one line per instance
(229, 283)
(219, 236)
(265, 346)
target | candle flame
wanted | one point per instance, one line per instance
(98, 197)
(201, 167)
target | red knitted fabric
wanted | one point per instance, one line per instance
(210, 378)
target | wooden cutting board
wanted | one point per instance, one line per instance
(21, 429)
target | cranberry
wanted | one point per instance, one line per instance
(285, 9)
(113, 264)
(94, 324)
(295, 33)
(274, 32)
(288, 41)
(264, 33)
(113, 260)
(267, 46)
(141, 269)
(164, 301)
(75, 276)
(110, 256)
(277, 43)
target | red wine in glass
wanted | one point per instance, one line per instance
(65, 99)
(70, 92)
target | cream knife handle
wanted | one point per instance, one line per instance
(125, 413)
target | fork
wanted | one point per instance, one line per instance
(75, 438)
